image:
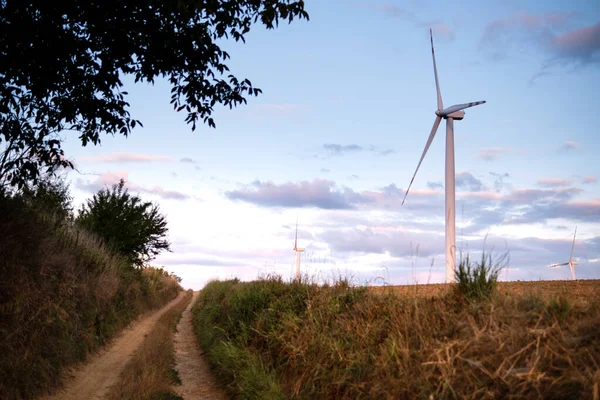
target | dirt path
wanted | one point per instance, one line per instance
(93, 379)
(197, 381)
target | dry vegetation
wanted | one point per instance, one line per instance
(150, 373)
(269, 339)
(62, 295)
(577, 291)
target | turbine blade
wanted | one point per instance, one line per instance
(436, 123)
(557, 265)
(458, 107)
(572, 270)
(440, 105)
(573, 246)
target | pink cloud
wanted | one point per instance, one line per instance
(569, 145)
(589, 179)
(554, 182)
(492, 153)
(109, 178)
(581, 42)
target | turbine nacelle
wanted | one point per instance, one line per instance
(456, 109)
(457, 115)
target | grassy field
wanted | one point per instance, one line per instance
(273, 340)
(577, 291)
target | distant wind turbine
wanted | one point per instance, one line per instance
(571, 263)
(449, 114)
(298, 251)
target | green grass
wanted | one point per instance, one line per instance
(477, 280)
(273, 340)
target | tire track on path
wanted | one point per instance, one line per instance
(93, 379)
(197, 381)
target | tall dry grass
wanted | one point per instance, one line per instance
(150, 373)
(62, 296)
(270, 339)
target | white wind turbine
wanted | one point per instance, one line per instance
(449, 114)
(571, 263)
(298, 251)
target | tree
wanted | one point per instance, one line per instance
(51, 195)
(129, 226)
(62, 61)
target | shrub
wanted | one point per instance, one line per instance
(131, 227)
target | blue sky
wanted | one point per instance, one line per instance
(348, 102)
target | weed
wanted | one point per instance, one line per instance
(559, 308)
(477, 280)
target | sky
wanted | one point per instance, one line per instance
(347, 105)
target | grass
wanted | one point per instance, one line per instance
(150, 373)
(62, 296)
(478, 280)
(270, 339)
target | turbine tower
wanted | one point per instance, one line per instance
(571, 263)
(449, 114)
(298, 251)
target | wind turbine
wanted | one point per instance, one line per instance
(571, 263)
(449, 114)
(298, 251)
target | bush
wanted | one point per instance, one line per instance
(477, 281)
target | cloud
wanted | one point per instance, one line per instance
(440, 29)
(201, 260)
(120, 157)
(581, 45)
(589, 179)
(111, 178)
(396, 243)
(493, 153)
(338, 149)
(435, 185)
(392, 10)
(569, 145)
(334, 149)
(353, 177)
(187, 160)
(319, 193)
(499, 183)
(554, 182)
(550, 33)
(325, 170)
(380, 152)
(500, 205)
(466, 181)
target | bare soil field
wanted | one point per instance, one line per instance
(579, 290)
